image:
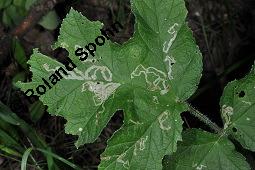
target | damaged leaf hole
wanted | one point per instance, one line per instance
(234, 129)
(241, 94)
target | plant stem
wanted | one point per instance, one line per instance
(204, 119)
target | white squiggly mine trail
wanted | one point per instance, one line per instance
(200, 167)
(151, 73)
(170, 61)
(155, 100)
(102, 90)
(155, 78)
(120, 159)
(166, 47)
(140, 145)
(173, 32)
(162, 119)
(227, 112)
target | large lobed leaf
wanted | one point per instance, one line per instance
(149, 77)
(238, 110)
(202, 150)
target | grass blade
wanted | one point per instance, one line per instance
(59, 158)
(24, 158)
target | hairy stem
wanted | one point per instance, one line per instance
(204, 119)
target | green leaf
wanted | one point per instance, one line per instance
(149, 77)
(13, 15)
(19, 53)
(5, 3)
(146, 135)
(238, 108)
(29, 3)
(7, 19)
(19, 3)
(201, 150)
(50, 21)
